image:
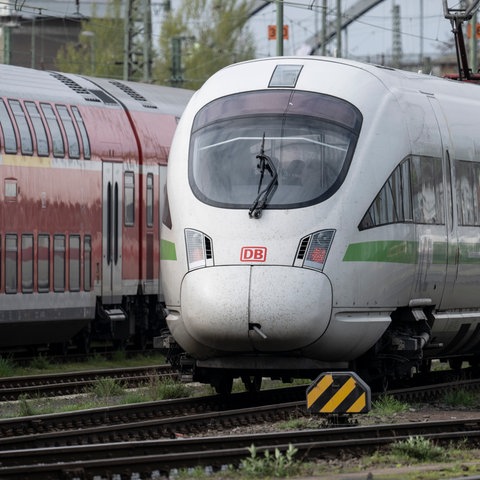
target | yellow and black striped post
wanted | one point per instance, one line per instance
(338, 393)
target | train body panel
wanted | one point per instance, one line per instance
(82, 166)
(364, 253)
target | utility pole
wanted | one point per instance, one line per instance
(279, 28)
(324, 27)
(339, 29)
(421, 33)
(396, 37)
(137, 52)
(473, 44)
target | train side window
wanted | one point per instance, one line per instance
(83, 133)
(74, 262)
(427, 190)
(57, 137)
(9, 136)
(87, 265)
(27, 263)
(476, 176)
(39, 128)
(73, 145)
(59, 263)
(26, 142)
(393, 202)
(11, 256)
(43, 263)
(467, 193)
(150, 200)
(11, 189)
(129, 196)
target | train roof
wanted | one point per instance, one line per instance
(30, 84)
(391, 79)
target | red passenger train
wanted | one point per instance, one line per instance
(82, 172)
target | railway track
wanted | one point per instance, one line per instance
(145, 458)
(11, 388)
(152, 437)
(162, 419)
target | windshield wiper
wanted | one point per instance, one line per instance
(264, 163)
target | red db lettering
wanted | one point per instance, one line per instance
(253, 254)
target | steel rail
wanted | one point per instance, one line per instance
(11, 388)
(164, 455)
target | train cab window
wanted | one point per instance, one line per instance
(468, 191)
(149, 200)
(56, 133)
(87, 263)
(39, 128)
(307, 138)
(129, 196)
(83, 133)
(27, 263)
(11, 258)
(59, 263)
(43, 263)
(74, 263)
(9, 137)
(26, 142)
(73, 145)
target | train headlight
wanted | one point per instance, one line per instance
(199, 249)
(313, 249)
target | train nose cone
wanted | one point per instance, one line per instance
(256, 308)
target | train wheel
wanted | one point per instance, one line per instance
(224, 385)
(59, 349)
(425, 366)
(82, 341)
(252, 384)
(141, 339)
(455, 363)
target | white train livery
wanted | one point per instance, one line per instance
(323, 214)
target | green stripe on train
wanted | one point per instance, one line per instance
(167, 250)
(395, 251)
(402, 251)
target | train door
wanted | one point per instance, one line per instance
(112, 233)
(451, 249)
(432, 209)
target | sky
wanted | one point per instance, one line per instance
(370, 35)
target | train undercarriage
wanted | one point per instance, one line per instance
(407, 347)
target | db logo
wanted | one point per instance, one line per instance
(253, 254)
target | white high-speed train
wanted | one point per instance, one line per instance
(323, 214)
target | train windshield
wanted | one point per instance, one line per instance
(309, 138)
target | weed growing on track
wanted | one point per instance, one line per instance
(388, 405)
(40, 363)
(7, 367)
(419, 448)
(277, 464)
(106, 388)
(461, 398)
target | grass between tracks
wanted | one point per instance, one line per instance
(42, 364)
(411, 459)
